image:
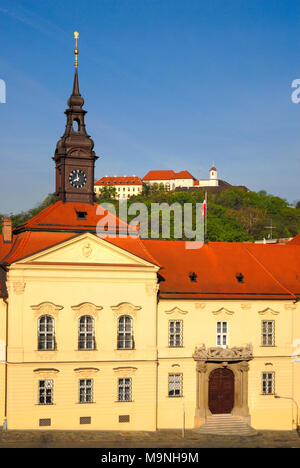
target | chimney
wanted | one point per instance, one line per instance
(7, 230)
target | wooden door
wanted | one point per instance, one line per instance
(221, 391)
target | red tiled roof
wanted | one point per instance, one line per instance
(64, 216)
(167, 175)
(132, 180)
(266, 271)
(295, 240)
(269, 271)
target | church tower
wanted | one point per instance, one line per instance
(74, 156)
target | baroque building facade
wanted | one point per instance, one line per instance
(110, 333)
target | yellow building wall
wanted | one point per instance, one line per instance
(108, 283)
(2, 359)
(244, 326)
(67, 292)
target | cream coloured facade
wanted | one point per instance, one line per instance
(88, 276)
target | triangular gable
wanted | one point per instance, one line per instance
(87, 248)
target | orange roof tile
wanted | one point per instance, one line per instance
(112, 181)
(167, 175)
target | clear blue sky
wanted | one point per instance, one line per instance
(168, 84)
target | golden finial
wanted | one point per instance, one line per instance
(76, 36)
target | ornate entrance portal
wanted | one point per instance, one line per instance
(221, 391)
(222, 382)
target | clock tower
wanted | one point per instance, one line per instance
(74, 156)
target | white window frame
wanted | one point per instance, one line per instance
(175, 385)
(268, 383)
(125, 336)
(266, 333)
(46, 338)
(86, 336)
(86, 395)
(45, 390)
(125, 389)
(222, 335)
(175, 336)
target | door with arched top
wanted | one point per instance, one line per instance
(221, 391)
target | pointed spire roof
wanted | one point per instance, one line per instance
(75, 101)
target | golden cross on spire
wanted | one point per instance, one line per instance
(76, 36)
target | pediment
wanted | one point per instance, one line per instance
(268, 311)
(224, 311)
(84, 249)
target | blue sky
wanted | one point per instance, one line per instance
(168, 84)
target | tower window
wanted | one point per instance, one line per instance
(76, 125)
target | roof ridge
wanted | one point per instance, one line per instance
(269, 273)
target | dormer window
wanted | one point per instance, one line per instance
(81, 214)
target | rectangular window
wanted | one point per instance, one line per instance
(175, 333)
(268, 335)
(268, 383)
(45, 392)
(124, 389)
(85, 391)
(222, 334)
(175, 385)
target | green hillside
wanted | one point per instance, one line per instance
(233, 215)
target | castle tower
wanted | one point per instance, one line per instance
(213, 173)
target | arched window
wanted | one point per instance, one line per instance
(46, 338)
(125, 336)
(86, 337)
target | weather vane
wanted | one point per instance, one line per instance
(76, 36)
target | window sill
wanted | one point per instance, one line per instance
(267, 394)
(267, 346)
(125, 401)
(175, 396)
(85, 402)
(125, 349)
(86, 349)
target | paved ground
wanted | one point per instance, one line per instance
(159, 439)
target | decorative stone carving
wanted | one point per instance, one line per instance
(125, 308)
(290, 306)
(86, 308)
(176, 310)
(47, 308)
(223, 354)
(48, 371)
(87, 250)
(46, 374)
(124, 372)
(225, 311)
(86, 372)
(246, 306)
(265, 311)
(200, 305)
(19, 287)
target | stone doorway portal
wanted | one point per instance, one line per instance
(222, 382)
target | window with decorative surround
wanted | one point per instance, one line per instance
(175, 333)
(46, 339)
(268, 332)
(125, 333)
(222, 334)
(175, 385)
(125, 389)
(85, 391)
(268, 380)
(45, 392)
(86, 335)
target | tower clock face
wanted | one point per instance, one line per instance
(77, 178)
